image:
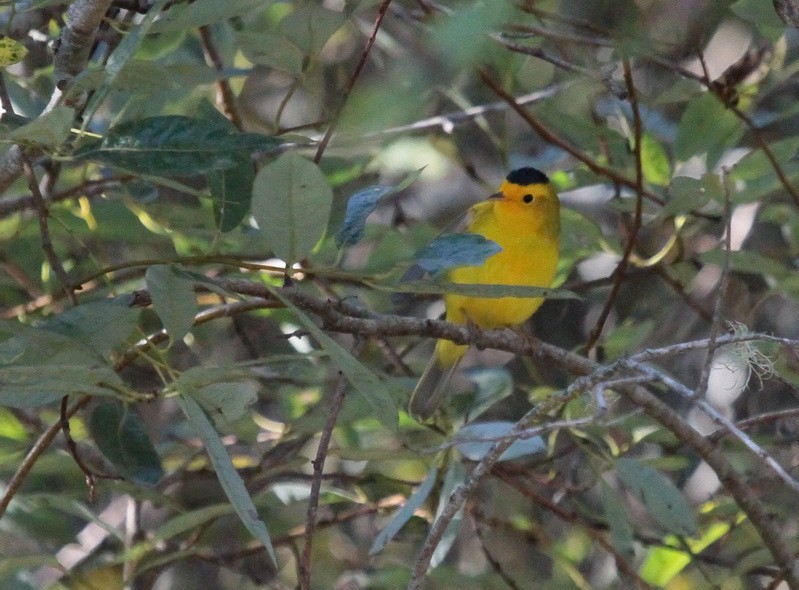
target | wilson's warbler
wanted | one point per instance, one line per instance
(524, 219)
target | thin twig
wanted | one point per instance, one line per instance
(550, 137)
(336, 403)
(381, 12)
(91, 482)
(621, 268)
(44, 231)
(225, 99)
(40, 446)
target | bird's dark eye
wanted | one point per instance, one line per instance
(527, 198)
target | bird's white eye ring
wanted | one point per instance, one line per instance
(528, 198)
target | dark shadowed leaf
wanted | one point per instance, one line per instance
(174, 145)
(100, 325)
(121, 437)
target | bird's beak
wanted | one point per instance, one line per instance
(498, 195)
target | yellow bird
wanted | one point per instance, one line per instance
(524, 219)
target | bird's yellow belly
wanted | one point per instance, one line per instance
(503, 268)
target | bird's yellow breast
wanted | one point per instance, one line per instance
(528, 237)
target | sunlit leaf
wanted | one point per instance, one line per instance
(654, 161)
(121, 437)
(11, 52)
(291, 203)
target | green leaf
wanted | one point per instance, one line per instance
(747, 261)
(28, 386)
(664, 502)
(11, 52)
(405, 512)
(663, 563)
(100, 325)
(47, 131)
(310, 25)
(231, 192)
(372, 389)
(122, 439)
(621, 531)
(706, 127)
(174, 145)
(291, 203)
(231, 188)
(189, 521)
(275, 51)
(756, 164)
(228, 476)
(686, 194)
(121, 55)
(453, 250)
(226, 402)
(475, 449)
(173, 299)
(361, 204)
(654, 161)
(181, 17)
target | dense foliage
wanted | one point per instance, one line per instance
(209, 331)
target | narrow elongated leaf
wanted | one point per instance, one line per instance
(451, 250)
(662, 499)
(405, 512)
(453, 478)
(475, 449)
(291, 203)
(121, 437)
(228, 476)
(621, 531)
(365, 382)
(473, 290)
(189, 521)
(361, 204)
(48, 131)
(174, 145)
(173, 299)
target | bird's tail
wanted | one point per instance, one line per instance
(431, 389)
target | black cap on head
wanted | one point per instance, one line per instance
(525, 176)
